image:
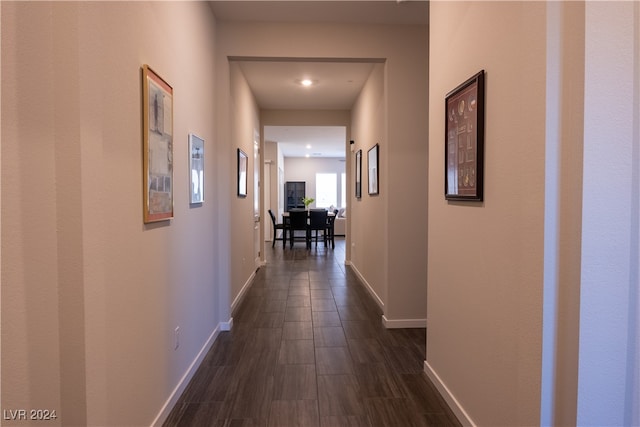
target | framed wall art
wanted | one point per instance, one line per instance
(464, 141)
(242, 173)
(196, 168)
(359, 174)
(372, 165)
(157, 105)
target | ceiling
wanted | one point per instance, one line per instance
(401, 12)
(309, 141)
(275, 82)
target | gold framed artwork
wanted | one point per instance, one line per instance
(157, 102)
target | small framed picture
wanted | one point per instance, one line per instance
(359, 174)
(372, 164)
(196, 168)
(464, 141)
(242, 173)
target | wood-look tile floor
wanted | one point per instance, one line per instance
(308, 348)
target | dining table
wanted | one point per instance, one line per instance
(330, 222)
(285, 215)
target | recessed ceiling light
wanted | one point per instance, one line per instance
(308, 146)
(306, 82)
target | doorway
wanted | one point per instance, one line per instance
(256, 201)
(312, 154)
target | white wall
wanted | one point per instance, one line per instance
(90, 295)
(270, 159)
(485, 258)
(305, 169)
(608, 385)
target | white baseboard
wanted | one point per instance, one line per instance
(184, 381)
(226, 326)
(451, 400)
(236, 302)
(403, 323)
(368, 287)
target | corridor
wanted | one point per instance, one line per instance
(308, 348)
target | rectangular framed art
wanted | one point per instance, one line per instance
(464, 141)
(196, 168)
(359, 174)
(242, 173)
(372, 165)
(157, 104)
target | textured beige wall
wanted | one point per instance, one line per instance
(244, 124)
(90, 295)
(369, 218)
(563, 208)
(30, 330)
(485, 263)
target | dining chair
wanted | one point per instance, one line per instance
(331, 233)
(317, 222)
(297, 222)
(277, 227)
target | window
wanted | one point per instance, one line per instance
(326, 190)
(343, 190)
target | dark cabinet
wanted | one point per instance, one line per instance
(294, 192)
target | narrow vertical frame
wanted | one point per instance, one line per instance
(243, 161)
(358, 174)
(464, 141)
(196, 169)
(157, 109)
(373, 169)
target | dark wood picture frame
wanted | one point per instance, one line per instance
(373, 162)
(359, 174)
(243, 164)
(464, 141)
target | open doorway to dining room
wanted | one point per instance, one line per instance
(311, 158)
(305, 94)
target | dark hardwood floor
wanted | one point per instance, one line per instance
(308, 348)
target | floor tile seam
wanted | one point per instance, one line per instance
(200, 402)
(415, 398)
